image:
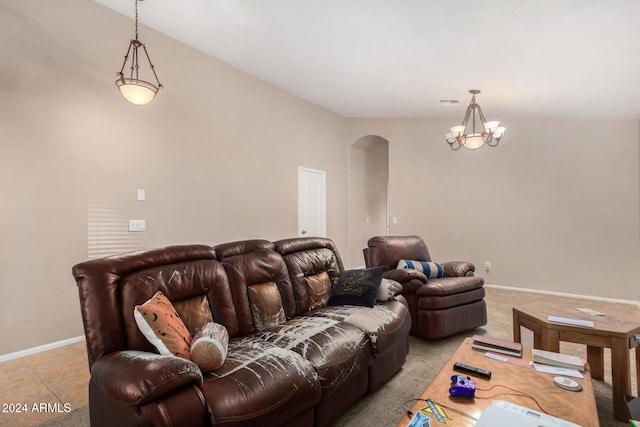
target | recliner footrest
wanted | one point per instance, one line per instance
(442, 323)
(437, 302)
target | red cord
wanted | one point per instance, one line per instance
(520, 393)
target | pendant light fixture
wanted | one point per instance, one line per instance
(132, 87)
(487, 133)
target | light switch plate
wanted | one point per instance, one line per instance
(137, 225)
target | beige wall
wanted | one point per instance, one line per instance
(368, 178)
(555, 207)
(217, 152)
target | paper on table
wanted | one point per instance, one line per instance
(557, 371)
(508, 359)
(591, 311)
(571, 321)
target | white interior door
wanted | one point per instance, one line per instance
(312, 203)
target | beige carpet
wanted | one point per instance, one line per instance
(426, 358)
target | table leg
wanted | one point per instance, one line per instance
(516, 328)
(638, 368)
(595, 358)
(549, 340)
(620, 378)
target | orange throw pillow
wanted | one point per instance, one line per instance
(160, 323)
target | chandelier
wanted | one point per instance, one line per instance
(134, 89)
(487, 133)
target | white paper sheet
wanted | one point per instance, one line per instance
(571, 321)
(547, 369)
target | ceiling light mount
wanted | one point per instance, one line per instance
(134, 89)
(490, 133)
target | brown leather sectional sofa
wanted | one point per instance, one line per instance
(304, 372)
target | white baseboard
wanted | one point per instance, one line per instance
(563, 294)
(39, 349)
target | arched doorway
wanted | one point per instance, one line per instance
(368, 193)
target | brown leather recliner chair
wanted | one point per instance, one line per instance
(439, 307)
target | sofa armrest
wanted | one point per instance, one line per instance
(402, 275)
(137, 377)
(411, 280)
(458, 269)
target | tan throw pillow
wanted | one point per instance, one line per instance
(160, 323)
(194, 312)
(266, 305)
(209, 347)
(318, 289)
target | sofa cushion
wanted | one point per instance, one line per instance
(357, 287)
(266, 305)
(209, 347)
(318, 289)
(337, 350)
(160, 323)
(432, 270)
(248, 264)
(306, 257)
(260, 384)
(184, 284)
(388, 250)
(381, 323)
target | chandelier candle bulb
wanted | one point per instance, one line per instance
(491, 126)
(457, 131)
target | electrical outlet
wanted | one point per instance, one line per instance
(487, 266)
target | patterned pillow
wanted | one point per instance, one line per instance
(318, 289)
(209, 346)
(357, 287)
(266, 305)
(160, 323)
(388, 289)
(432, 270)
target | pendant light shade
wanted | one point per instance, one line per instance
(133, 88)
(137, 92)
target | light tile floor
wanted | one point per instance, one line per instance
(42, 386)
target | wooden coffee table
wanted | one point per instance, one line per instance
(577, 407)
(610, 332)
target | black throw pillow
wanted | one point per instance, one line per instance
(357, 287)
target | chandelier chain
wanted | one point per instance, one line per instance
(136, 19)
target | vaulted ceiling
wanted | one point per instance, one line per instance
(400, 58)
